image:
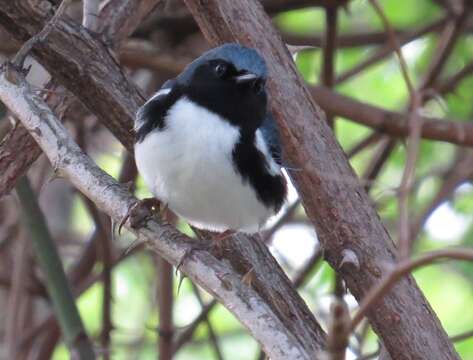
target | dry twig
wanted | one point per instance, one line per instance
(402, 269)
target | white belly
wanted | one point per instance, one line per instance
(188, 165)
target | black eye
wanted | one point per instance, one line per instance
(220, 70)
(258, 86)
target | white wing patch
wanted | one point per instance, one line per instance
(139, 121)
(261, 145)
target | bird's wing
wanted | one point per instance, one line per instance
(270, 134)
(151, 115)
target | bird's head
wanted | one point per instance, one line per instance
(230, 81)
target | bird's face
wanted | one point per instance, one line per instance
(239, 96)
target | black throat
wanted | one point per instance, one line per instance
(249, 162)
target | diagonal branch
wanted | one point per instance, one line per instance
(459, 172)
(217, 277)
(387, 50)
(18, 150)
(389, 122)
(402, 269)
(100, 84)
(331, 194)
(90, 14)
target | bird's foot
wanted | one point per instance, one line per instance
(223, 236)
(200, 246)
(214, 246)
(218, 241)
(142, 211)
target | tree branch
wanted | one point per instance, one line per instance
(392, 123)
(402, 269)
(332, 196)
(18, 150)
(387, 50)
(96, 69)
(90, 14)
(330, 49)
(218, 278)
(187, 334)
(119, 18)
(165, 303)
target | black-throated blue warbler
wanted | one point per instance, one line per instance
(207, 146)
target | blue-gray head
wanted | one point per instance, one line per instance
(230, 81)
(242, 57)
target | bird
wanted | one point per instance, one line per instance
(207, 146)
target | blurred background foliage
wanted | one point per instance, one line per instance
(448, 285)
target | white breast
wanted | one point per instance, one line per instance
(188, 165)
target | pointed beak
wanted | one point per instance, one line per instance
(245, 78)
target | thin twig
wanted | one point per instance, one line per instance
(408, 177)
(415, 127)
(379, 159)
(330, 48)
(403, 268)
(49, 322)
(450, 84)
(364, 143)
(165, 297)
(337, 335)
(445, 47)
(395, 44)
(210, 329)
(460, 171)
(19, 59)
(383, 52)
(462, 337)
(301, 277)
(187, 334)
(286, 217)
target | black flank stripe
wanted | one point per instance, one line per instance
(252, 165)
(153, 113)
